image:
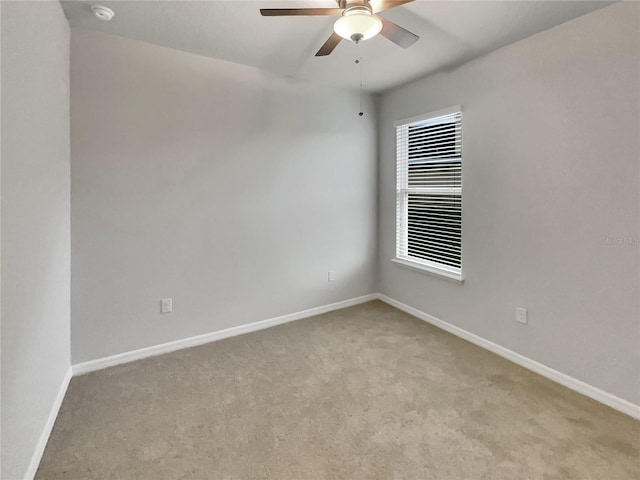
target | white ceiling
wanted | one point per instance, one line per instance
(451, 32)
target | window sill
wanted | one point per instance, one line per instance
(429, 270)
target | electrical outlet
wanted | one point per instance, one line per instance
(521, 315)
(331, 276)
(166, 305)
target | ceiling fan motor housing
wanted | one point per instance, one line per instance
(346, 4)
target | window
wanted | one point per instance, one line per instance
(429, 193)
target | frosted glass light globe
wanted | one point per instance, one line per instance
(357, 25)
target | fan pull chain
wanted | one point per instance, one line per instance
(359, 62)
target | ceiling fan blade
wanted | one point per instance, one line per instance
(397, 34)
(279, 12)
(329, 45)
(383, 5)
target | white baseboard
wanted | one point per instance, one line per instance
(99, 364)
(48, 427)
(579, 386)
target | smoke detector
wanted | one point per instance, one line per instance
(102, 13)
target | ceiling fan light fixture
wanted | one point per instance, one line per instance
(357, 23)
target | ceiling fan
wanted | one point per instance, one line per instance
(358, 21)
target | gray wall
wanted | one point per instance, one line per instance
(551, 169)
(230, 191)
(35, 223)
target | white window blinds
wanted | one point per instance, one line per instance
(429, 190)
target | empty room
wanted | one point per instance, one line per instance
(320, 239)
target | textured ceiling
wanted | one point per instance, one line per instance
(451, 32)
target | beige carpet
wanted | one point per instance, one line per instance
(363, 393)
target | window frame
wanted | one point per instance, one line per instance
(430, 267)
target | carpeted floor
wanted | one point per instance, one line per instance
(367, 392)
